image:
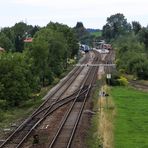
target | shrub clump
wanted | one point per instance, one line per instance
(122, 81)
(117, 80)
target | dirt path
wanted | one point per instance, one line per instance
(139, 85)
(106, 118)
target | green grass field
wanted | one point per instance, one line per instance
(97, 34)
(131, 120)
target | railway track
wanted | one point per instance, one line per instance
(67, 128)
(139, 85)
(109, 60)
(18, 137)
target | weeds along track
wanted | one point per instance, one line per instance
(65, 132)
(52, 103)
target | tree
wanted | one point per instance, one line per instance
(48, 51)
(16, 35)
(69, 35)
(9, 33)
(107, 34)
(16, 79)
(143, 36)
(5, 42)
(116, 25)
(33, 30)
(136, 27)
(79, 25)
(81, 33)
(138, 66)
(131, 56)
(20, 29)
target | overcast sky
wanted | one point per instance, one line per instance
(92, 13)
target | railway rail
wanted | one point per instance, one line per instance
(139, 85)
(18, 137)
(109, 60)
(67, 128)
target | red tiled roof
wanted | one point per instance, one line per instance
(28, 40)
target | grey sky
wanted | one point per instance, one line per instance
(92, 13)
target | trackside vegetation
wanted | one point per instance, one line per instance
(131, 120)
(93, 139)
(26, 67)
(29, 69)
(130, 41)
(131, 44)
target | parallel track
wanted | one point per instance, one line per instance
(17, 138)
(109, 60)
(66, 131)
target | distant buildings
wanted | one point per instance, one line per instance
(101, 45)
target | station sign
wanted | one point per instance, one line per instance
(108, 76)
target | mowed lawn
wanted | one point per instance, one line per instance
(131, 119)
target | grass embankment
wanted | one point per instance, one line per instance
(106, 119)
(131, 122)
(101, 130)
(15, 115)
(93, 139)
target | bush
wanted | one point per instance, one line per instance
(1, 115)
(142, 70)
(15, 79)
(122, 81)
(122, 71)
(3, 104)
(114, 79)
(117, 80)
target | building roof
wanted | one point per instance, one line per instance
(2, 49)
(28, 40)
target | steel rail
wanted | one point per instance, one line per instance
(43, 118)
(69, 111)
(26, 121)
(64, 120)
(33, 115)
(81, 110)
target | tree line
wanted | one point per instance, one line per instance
(130, 40)
(26, 67)
(86, 36)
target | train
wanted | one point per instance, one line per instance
(85, 48)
